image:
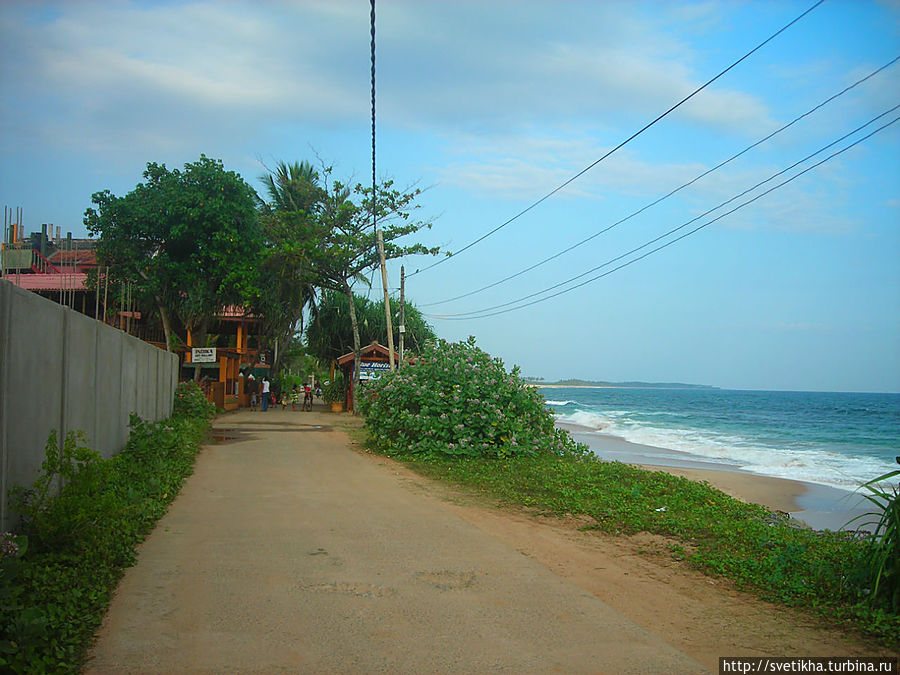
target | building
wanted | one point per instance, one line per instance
(58, 269)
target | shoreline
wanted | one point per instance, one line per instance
(818, 506)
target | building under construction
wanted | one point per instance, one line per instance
(52, 266)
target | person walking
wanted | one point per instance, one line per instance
(265, 394)
(253, 390)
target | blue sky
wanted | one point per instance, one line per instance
(490, 106)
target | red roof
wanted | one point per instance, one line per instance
(80, 257)
(374, 350)
(236, 312)
(49, 282)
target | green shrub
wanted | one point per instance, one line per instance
(882, 564)
(334, 391)
(56, 519)
(458, 401)
(81, 537)
(22, 624)
(190, 401)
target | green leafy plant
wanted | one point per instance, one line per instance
(20, 624)
(459, 401)
(883, 560)
(190, 401)
(334, 391)
(51, 515)
(82, 536)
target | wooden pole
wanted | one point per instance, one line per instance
(402, 311)
(97, 296)
(387, 299)
(105, 292)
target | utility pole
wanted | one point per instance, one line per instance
(387, 299)
(402, 311)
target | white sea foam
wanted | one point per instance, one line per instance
(561, 403)
(814, 465)
(586, 419)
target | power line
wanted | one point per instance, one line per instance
(666, 196)
(692, 220)
(485, 313)
(620, 145)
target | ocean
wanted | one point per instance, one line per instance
(840, 440)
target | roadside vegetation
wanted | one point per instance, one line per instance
(187, 242)
(57, 577)
(460, 417)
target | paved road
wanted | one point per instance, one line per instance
(288, 551)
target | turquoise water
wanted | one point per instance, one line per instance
(836, 439)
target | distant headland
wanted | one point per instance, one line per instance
(540, 382)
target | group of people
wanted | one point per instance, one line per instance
(262, 396)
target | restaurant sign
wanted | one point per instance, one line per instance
(203, 354)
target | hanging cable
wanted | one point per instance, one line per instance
(379, 241)
(372, 51)
(692, 220)
(487, 312)
(620, 145)
(666, 196)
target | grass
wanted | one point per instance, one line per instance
(764, 552)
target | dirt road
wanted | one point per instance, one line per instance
(287, 551)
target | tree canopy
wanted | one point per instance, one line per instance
(286, 280)
(333, 236)
(329, 333)
(188, 238)
(200, 239)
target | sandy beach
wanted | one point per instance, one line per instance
(819, 506)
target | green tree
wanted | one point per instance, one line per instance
(286, 280)
(329, 333)
(188, 238)
(291, 187)
(322, 229)
(346, 247)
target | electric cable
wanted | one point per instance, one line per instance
(620, 145)
(487, 312)
(666, 196)
(372, 53)
(682, 226)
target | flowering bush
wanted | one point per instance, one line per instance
(459, 401)
(190, 401)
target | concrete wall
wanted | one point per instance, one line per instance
(62, 370)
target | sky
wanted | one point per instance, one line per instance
(489, 107)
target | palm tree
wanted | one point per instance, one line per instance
(291, 187)
(286, 281)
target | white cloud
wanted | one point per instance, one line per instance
(211, 70)
(527, 168)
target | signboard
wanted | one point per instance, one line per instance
(203, 354)
(372, 370)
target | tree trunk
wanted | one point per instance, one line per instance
(200, 339)
(356, 348)
(283, 339)
(163, 314)
(167, 326)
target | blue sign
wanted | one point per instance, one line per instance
(372, 370)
